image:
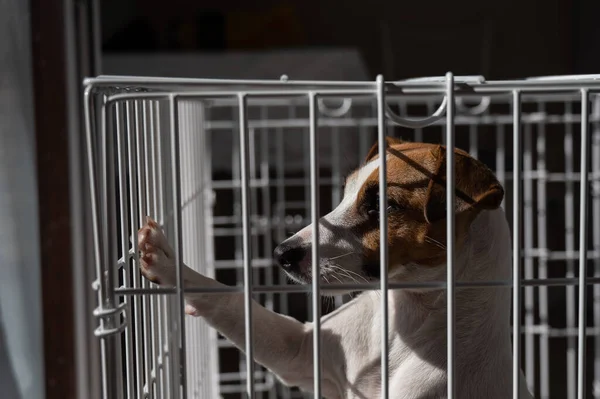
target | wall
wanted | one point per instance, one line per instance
(21, 354)
(507, 39)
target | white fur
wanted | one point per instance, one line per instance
(351, 335)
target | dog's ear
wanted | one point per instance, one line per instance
(476, 187)
(389, 141)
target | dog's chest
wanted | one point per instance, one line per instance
(409, 377)
(361, 344)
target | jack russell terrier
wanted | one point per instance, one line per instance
(349, 242)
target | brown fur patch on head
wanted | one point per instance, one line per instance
(389, 142)
(416, 181)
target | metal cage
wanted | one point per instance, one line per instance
(228, 167)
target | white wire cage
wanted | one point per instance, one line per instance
(151, 146)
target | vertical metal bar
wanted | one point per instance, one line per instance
(87, 159)
(140, 207)
(450, 183)
(596, 232)
(152, 209)
(103, 246)
(307, 192)
(113, 342)
(144, 198)
(185, 127)
(183, 124)
(95, 193)
(158, 213)
(316, 275)
(198, 235)
(168, 387)
(201, 233)
(543, 262)
(90, 137)
(122, 168)
(253, 211)
(244, 170)
(383, 234)
(133, 136)
(237, 212)
(177, 239)
(570, 248)
(175, 368)
(171, 344)
(102, 278)
(583, 241)
(517, 202)
(528, 262)
(191, 246)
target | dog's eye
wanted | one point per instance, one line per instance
(373, 208)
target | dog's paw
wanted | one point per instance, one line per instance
(157, 259)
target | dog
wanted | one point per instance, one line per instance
(349, 252)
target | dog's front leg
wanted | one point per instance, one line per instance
(281, 344)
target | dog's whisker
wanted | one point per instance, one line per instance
(435, 242)
(350, 275)
(341, 256)
(350, 272)
(337, 278)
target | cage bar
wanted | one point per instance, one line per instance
(142, 207)
(542, 242)
(570, 247)
(517, 203)
(160, 214)
(150, 157)
(247, 254)
(383, 234)
(528, 262)
(177, 241)
(122, 170)
(583, 243)
(111, 324)
(450, 236)
(316, 275)
(596, 234)
(103, 233)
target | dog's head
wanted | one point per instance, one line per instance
(349, 236)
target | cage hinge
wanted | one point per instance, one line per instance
(108, 317)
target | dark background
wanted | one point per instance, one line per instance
(398, 38)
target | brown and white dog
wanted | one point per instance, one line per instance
(349, 242)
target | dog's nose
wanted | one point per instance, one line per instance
(289, 257)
